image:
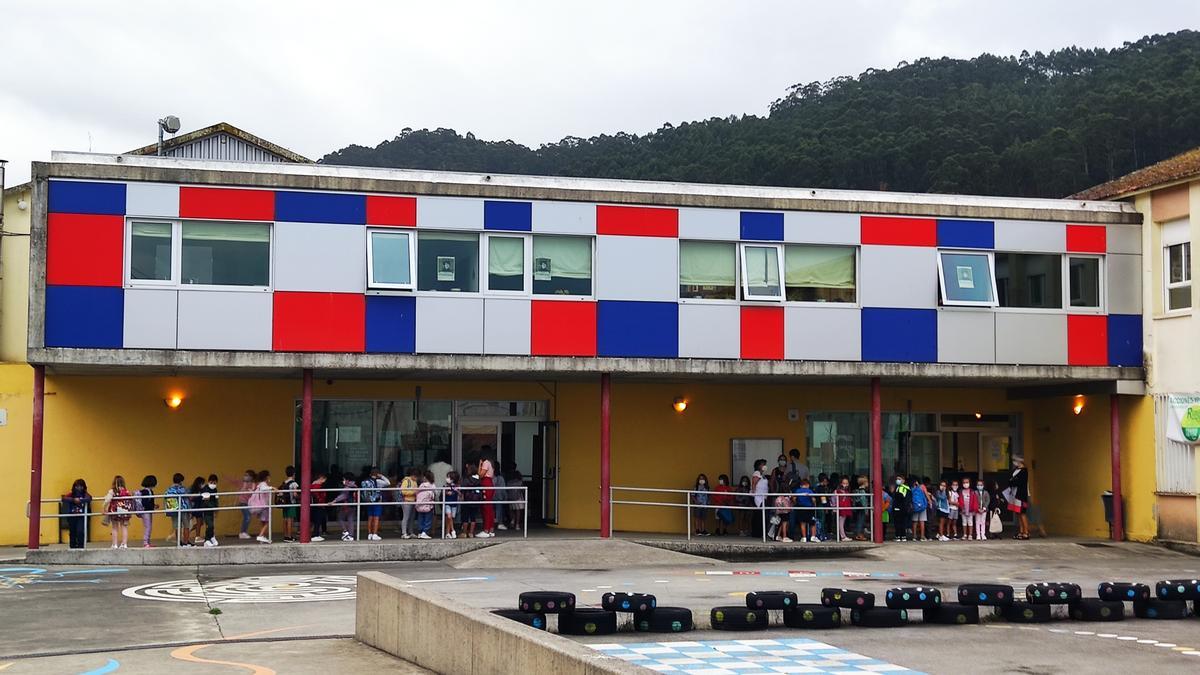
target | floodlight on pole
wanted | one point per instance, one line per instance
(168, 124)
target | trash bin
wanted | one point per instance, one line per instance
(1107, 499)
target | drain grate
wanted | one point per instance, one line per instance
(1093, 544)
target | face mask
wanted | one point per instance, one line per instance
(703, 482)
(899, 482)
(783, 464)
(722, 481)
(212, 486)
(966, 487)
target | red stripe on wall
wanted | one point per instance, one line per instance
(394, 211)
(885, 231)
(638, 221)
(563, 328)
(1087, 340)
(762, 332)
(84, 250)
(319, 322)
(1087, 239)
(226, 203)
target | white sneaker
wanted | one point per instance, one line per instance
(406, 536)
(113, 546)
(424, 536)
(485, 535)
(124, 545)
(317, 538)
(243, 535)
(786, 540)
(501, 527)
(215, 542)
(263, 540)
(208, 543)
(346, 536)
(452, 535)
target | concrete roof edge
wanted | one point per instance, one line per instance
(223, 127)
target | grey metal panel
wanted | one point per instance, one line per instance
(1031, 339)
(151, 317)
(1123, 275)
(710, 331)
(237, 320)
(1031, 235)
(822, 228)
(1124, 239)
(564, 217)
(637, 268)
(898, 276)
(320, 257)
(506, 326)
(450, 213)
(966, 335)
(822, 333)
(222, 146)
(722, 224)
(449, 325)
(160, 200)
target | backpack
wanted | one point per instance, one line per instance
(472, 493)
(146, 502)
(919, 501)
(370, 494)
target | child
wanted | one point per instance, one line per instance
(783, 508)
(145, 505)
(346, 499)
(243, 500)
(821, 516)
(952, 497)
(723, 500)
(967, 507)
(983, 502)
(744, 500)
(471, 496)
(194, 503)
(516, 495)
(319, 515)
(803, 515)
(208, 502)
(699, 500)
(841, 498)
(288, 496)
(178, 504)
(424, 505)
(919, 500)
(942, 499)
(900, 504)
(861, 502)
(77, 501)
(450, 496)
(373, 495)
(260, 505)
(118, 506)
(408, 499)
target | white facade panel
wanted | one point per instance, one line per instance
(1124, 239)
(449, 325)
(151, 318)
(506, 326)
(719, 224)
(160, 200)
(449, 213)
(1123, 275)
(1031, 339)
(564, 218)
(710, 331)
(637, 268)
(898, 276)
(319, 257)
(812, 227)
(237, 320)
(1031, 236)
(966, 335)
(822, 333)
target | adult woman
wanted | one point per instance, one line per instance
(1019, 485)
(118, 507)
(487, 474)
(77, 501)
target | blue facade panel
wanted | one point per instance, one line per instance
(69, 196)
(1125, 340)
(637, 329)
(513, 216)
(966, 233)
(391, 324)
(320, 207)
(759, 226)
(901, 335)
(85, 316)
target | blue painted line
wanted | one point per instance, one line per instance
(107, 668)
(773, 574)
(109, 570)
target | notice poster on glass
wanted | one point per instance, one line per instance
(445, 268)
(542, 269)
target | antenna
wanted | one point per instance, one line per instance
(169, 124)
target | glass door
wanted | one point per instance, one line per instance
(343, 437)
(547, 485)
(480, 439)
(996, 464)
(924, 458)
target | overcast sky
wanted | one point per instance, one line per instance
(316, 76)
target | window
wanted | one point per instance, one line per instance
(1177, 262)
(226, 254)
(389, 259)
(708, 270)
(448, 261)
(966, 279)
(562, 265)
(506, 263)
(760, 272)
(1084, 281)
(819, 273)
(1032, 280)
(150, 251)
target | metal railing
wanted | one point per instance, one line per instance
(859, 502)
(177, 515)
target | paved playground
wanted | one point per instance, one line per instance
(295, 619)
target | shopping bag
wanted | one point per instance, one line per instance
(1014, 505)
(995, 526)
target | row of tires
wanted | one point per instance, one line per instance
(648, 617)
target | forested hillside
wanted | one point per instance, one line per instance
(1044, 125)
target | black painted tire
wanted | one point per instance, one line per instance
(663, 620)
(1177, 589)
(550, 602)
(532, 619)
(770, 600)
(587, 621)
(1125, 592)
(953, 614)
(913, 597)
(993, 595)
(812, 616)
(1024, 612)
(847, 599)
(732, 617)
(1052, 593)
(879, 617)
(1160, 609)
(628, 602)
(1095, 609)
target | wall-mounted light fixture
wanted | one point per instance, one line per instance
(1077, 407)
(978, 415)
(680, 404)
(173, 401)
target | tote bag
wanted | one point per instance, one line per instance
(995, 526)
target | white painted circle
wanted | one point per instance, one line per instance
(243, 590)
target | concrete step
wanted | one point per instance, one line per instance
(262, 554)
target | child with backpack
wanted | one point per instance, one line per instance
(919, 504)
(289, 496)
(942, 499)
(208, 504)
(145, 506)
(176, 503)
(426, 494)
(408, 500)
(450, 496)
(118, 506)
(346, 499)
(953, 500)
(260, 505)
(472, 495)
(373, 485)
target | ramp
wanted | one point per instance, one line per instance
(571, 554)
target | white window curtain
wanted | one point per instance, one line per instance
(247, 232)
(819, 266)
(506, 256)
(570, 257)
(707, 263)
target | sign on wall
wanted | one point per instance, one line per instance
(1184, 422)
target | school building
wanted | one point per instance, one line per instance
(182, 312)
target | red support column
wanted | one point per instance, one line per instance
(306, 459)
(877, 476)
(35, 460)
(1118, 509)
(605, 456)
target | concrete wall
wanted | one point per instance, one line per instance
(14, 277)
(400, 619)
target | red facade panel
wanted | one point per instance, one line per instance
(563, 328)
(637, 221)
(762, 332)
(84, 250)
(319, 322)
(1087, 239)
(884, 231)
(226, 203)
(1087, 340)
(393, 211)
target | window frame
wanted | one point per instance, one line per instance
(591, 239)
(816, 303)
(1168, 285)
(737, 273)
(744, 280)
(1101, 281)
(526, 256)
(1064, 294)
(176, 281)
(945, 301)
(412, 259)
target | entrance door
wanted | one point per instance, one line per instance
(996, 462)
(343, 437)
(924, 456)
(479, 439)
(547, 485)
(960, 454)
